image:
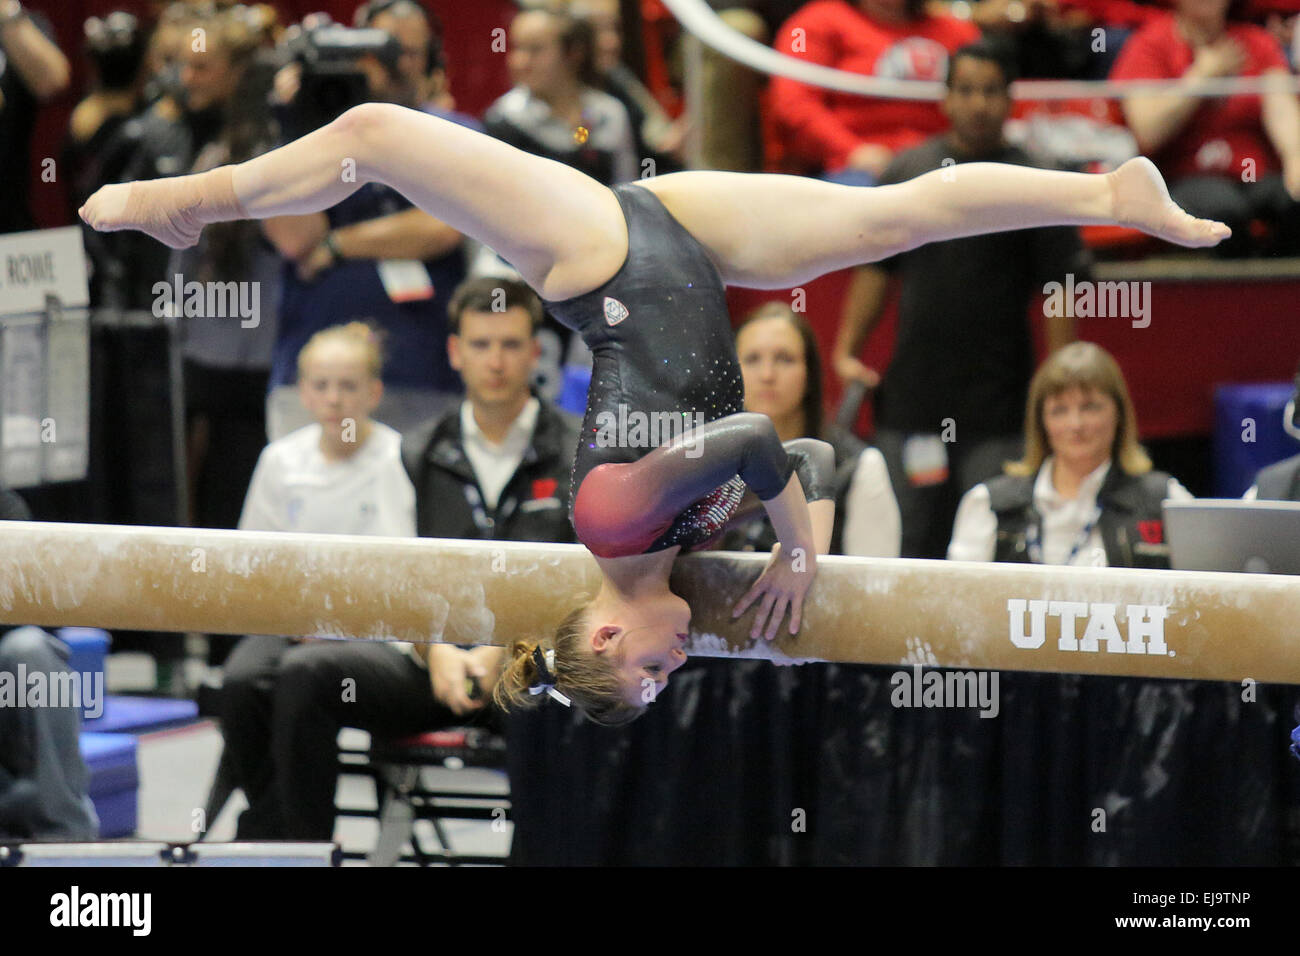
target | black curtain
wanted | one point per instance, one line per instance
(745, 763)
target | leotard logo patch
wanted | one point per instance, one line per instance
(615, 311)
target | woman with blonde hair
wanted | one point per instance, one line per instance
(1085, 492)
(638, 270)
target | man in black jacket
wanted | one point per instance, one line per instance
(498, 465)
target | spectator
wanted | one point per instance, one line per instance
(783, 380)
(556, 108)
(950, 408)
(43, 778)
(227, 356)
(657, 136)
(1085, 493)
(95, 152)
(32, 71)
(495, 468)
(341, 474)
(1235, 158)
(375, 257)
(1280, 481)
(849, 137)
(421, 60)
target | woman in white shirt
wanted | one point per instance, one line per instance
(783, 380)
(343, 473)
(1085, 493)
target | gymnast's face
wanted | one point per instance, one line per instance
(1081, 424)
(335, 385)
(774, 367)
(648, 639)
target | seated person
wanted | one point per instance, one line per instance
(1085, 493)
(783, 380)
(1280, 481)
(852, 138)
(556, 108)
(43, 778)
(1234, 158)
(494, 467)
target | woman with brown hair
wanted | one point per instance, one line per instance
(1085, 492)
(783, 380)
(638, 271)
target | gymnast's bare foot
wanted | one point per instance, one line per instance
(1141, 200)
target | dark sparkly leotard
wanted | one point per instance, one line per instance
(666, 449)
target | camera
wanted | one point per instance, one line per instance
(332, 81)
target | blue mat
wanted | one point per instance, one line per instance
(1248, 433)
(114, 781)
(89, 646)
(139, 715)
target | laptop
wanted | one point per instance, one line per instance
(1210, 534)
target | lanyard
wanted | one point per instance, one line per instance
(486, 524)
(1036, 549)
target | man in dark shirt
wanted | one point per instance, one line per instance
(32, 70)
(374, 257)
(951, 407)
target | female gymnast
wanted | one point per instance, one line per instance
(638, 271)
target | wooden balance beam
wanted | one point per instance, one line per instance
(860, 610)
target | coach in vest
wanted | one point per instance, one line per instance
(1085, 493)
(1280, 481)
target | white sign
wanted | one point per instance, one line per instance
(40, 263)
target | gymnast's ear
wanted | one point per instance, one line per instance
(604, 637)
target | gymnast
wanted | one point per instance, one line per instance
(638, 270)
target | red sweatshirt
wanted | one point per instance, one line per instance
(821, 127)
(1222, 132)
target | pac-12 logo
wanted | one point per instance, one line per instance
(615, 311)
(1146, 626)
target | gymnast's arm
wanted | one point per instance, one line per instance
(620, 509)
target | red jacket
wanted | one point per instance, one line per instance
(1223, 133)
(818, 127)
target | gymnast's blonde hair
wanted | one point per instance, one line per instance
(361, 335)
(1087, 366)
(590, 680)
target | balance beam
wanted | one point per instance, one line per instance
(861, 610)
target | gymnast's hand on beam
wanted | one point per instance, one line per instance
(783, 583)
(451, 673)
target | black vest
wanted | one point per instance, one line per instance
(534, 505)
(1131, 523)
(1279, 481)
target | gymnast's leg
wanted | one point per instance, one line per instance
(562, 230)
(769, 231)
